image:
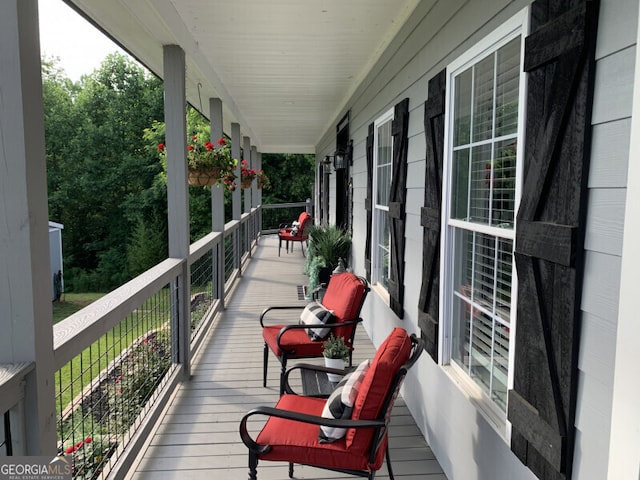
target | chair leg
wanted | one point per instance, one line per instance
(253, 466)
(279, 245)
(283, 361)
(290, 470)
(389, 469)
(265, 361)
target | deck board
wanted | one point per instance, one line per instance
(197, 436)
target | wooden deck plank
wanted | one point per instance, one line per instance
(197, 436)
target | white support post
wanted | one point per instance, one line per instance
(235, 153)
(177, 198)
(256, 161)
(217, 204)
(217, 191)
(25, 280)
(247, 156)
(236, 141)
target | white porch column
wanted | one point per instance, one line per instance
(217, 202)
(235, 153)
(25, 279)
(256, 162)
(247, 156)
(624, 443)
(177, 196)
(217, 191)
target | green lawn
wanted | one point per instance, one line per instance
(71, 303)
(71, 378)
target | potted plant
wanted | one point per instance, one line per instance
(327, 244)
(247, 174)
(208, 164)
(335, 353)
(263, 180)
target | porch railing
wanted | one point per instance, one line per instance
(116, 360)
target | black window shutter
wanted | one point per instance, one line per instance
(397, 200)
(368, 202)
(549, 252)
(428, 303)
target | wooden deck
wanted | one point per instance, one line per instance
(197, 437)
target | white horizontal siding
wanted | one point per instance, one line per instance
(611, 119)
(437, 33)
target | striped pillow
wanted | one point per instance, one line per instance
(315, 314)
(340, 403)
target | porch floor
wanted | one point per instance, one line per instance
(197, 436)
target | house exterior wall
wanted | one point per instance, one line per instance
(465, 443)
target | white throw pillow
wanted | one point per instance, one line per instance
(340, 403)
(317, 315)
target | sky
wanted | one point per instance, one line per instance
(65, 34)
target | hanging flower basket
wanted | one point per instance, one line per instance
(207, 163)
(202, 178)
(246, 183)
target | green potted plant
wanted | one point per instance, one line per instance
(327, 244)
(335, 353)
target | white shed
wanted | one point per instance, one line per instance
(55, 252)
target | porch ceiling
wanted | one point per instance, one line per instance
(284, 69)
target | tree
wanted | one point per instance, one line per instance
(99, 166)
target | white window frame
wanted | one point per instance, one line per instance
(517, 25)
(387, 116)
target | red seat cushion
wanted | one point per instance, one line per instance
(298, 442)
(296, 339)
(344, 297)
(390, 356)
(285, 233)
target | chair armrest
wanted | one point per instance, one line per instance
(309, 366)
(278, 307)
(315, 325)
(298, 417)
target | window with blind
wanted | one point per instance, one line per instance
(382, 172)
(482, 173)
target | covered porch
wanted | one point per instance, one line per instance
(197, 434)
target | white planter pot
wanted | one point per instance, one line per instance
(334, 363)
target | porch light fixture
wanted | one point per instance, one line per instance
(340, 158)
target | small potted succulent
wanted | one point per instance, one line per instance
(335, 354)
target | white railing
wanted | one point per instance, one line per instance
(147, 302)
(12, 381)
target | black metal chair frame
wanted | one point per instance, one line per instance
(380, 424)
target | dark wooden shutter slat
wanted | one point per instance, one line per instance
(397, 200)
(555, 243)
(368, 202)
(549, 251)
(428, 303)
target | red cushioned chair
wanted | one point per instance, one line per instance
(295, 234)
(345, 296)
(290, 433)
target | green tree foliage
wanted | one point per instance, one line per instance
(107, 182)
(292, 177)
(100, 169)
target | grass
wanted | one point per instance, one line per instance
(71, 303)
(85, 367)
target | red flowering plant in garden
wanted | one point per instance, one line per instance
(88, 458)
